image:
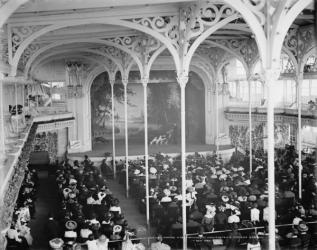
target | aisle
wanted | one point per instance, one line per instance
(129, 208)
(46, 202)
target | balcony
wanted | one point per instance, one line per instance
(17, 132)
(282, 115)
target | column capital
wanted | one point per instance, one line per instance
(182, 79)
(145, 81)
(125, 81)
(111, 80)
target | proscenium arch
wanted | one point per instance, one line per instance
(30, 68)
(111, 21)
(92, 75)
(86, 40)
(209, 70)
(205, 76)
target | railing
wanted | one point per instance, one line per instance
(196, 236)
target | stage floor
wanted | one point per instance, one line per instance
(138, 149)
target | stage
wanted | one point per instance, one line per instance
(137, 150)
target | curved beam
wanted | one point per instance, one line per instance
(285, 24)
(58, 56)
(246, 68)
(8, 9)
(80, 57)
(38, 61)
(254, 25)
(152, 59)
(111, 21)
(86, 40)
(92, 75)
(204, 36)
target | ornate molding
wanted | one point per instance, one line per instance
(299, 41)
(215, 55)
(28, 52)
(20, 33)
(288, 117)
(121, 57)
(246, 48)
(192, 21)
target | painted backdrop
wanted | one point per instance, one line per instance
(163, 108)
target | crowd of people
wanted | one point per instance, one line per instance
(90, 216)
(225, 204)
(19, 234)
(221, 197)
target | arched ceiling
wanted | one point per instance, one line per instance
(44, 11)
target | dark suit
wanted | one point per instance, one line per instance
(52, 229)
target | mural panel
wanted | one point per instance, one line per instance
(163, 109)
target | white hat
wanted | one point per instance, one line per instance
(117, 229)
(223, 177)
(72, 181)
(137, 171)
(248, 182)
(56, 243)
(296, 221)
(153, 170)
(167, 192)
(225, 198)
(71, 225)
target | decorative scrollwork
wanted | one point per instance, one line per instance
(215, 55)
(287, 65)
(166, 25)
(20, 33)
(247, 48)
(305, 41)
(290, 41)
(3, 46)
(192, 21)
(28, 52)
